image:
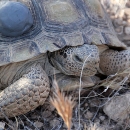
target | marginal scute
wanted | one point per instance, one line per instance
(50, 43)
(115, 42)
(61, 11)
(24, 50)
(94, 36)
(96, 39)
(4, 55)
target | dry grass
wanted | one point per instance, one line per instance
(63, 104)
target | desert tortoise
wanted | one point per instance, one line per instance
(66, 31)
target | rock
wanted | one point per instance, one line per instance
(95, 102)
(102, 118)
(127, 43)
(119, 30)
(127, 12)
(127, 30)
(54, 123)
(126, 38)
(46, 114)
(117, 22)
(38, 124)
(114, 6)
(128, 4)
(88, 115)
(118, 108)
(119, 12)
(49, 107)
(97, 121)
(76, 126)
(128, 21)
(2, 125)
(94, 126)
(106, 122)
(86, 104)
(124, 22)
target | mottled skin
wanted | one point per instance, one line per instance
(23, 74)
(112, 61)
(70, 60)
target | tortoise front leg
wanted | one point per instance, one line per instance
(112, 61)
(25, 94)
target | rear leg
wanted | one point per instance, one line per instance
(25, 94)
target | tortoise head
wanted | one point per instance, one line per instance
(71, 60)
(15, 18)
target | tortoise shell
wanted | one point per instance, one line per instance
(56, 24)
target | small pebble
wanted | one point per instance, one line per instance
(88, 115)
(38, 124)
(46, 114)
(97, 121)
(86, 105)
(127, 30)
(2, 125)
(102, 118)
(54, 123)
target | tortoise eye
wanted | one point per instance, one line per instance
(15, 18)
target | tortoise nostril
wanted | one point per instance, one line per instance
(78, 59)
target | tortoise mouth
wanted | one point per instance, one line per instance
(75, 72)
(56, 64)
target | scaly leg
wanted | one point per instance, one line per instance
(112, 61)
(25, 94)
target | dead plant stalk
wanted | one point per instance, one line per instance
(63, 104)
